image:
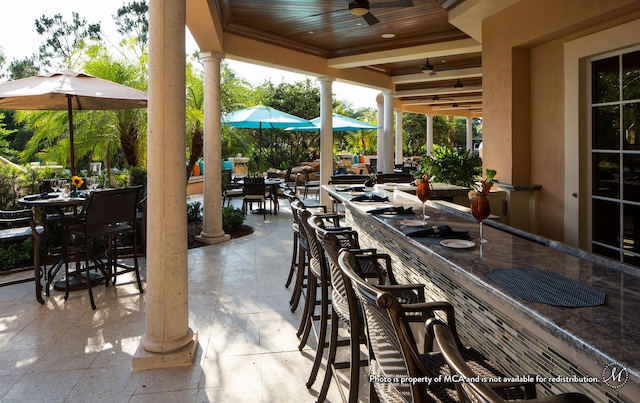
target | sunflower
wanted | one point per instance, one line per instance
(76, 181)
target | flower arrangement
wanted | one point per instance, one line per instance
(76, 182)
(485, 184)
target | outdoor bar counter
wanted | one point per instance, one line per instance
(520, 336)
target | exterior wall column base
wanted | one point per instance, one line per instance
(183, 357)
(212, 239)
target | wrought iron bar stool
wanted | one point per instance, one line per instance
(345, 308)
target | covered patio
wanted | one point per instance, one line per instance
(214, 324)
(247, 351)
(534, 56)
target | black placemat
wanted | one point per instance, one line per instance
(546, 287)
(374, 198)
(436, 234)
(392, 210)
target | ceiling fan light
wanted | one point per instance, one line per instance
(458, 85)
(357, 9)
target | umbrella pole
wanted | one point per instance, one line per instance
(260, 156)
(70, 115)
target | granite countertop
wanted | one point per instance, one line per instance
(608, 332)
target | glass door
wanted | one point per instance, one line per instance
(615, 157)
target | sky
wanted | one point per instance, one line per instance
(19, 39)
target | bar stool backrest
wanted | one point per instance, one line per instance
(389, 361)
(342, 297)
(112, 206)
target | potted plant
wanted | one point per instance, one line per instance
(453, 166)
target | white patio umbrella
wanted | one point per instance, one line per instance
(69, 90)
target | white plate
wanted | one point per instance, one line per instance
(342, 188)
(357, 193)
(457, 243)
(413, 223)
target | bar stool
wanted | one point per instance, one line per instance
(292, 196)
(346, 309)
(302, 252)
(318, 275)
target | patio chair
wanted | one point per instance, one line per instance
(310, 185)
(288, 181)
(229, 189)
(141, 219)
(16, 226)
(107, 213)
(373, 166)
(451, 350)
(345, 307)
(287, 184)
(395, 352)
(254, 190)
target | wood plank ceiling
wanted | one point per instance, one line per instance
(327, 29)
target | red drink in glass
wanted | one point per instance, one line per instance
(480, 209)
(424, 193)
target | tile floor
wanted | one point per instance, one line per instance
(65, 352)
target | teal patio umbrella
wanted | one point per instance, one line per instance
(340, 123)
(259, 117)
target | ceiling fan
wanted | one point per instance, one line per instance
(428, 67)
(361, 8)
(436, 98)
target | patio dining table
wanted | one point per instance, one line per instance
(272, 184)
(59, 204)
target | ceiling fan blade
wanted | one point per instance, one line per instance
(398, 3)
(370, 19)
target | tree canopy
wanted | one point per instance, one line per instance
(119, 137)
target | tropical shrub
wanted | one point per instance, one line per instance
(194, 211)
(232, 219)
(9, 187)
(137, 176)
(454, 166)
(15, 254)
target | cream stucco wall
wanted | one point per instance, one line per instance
(524, 94)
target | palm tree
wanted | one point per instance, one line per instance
(130, 125)
(195, 115)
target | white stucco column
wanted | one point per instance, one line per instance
(381, 143)
(398, 113)
(429, 134)
(387, 157)
(168, 341)
(326, 136)
(469, 134)
(212, 232)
